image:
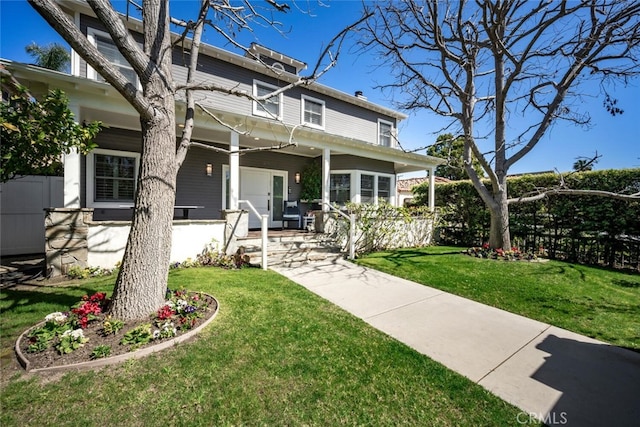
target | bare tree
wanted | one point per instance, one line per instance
(491, 64)
(142, 280)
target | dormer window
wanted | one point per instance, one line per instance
(105, 45)
(278, 62)
(270, 107)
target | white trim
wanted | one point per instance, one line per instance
(303, 100)
(90, 176)
(75, 58)
(355, 192)
(260, 112)
(272, 172)
(392, 141)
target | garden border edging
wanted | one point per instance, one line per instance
(137, 354)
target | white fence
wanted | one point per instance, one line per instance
(22, 204)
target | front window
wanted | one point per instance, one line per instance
(384, 189)
(271, 107)
(340, 188)
(367, 188)
(106, 47)
(385, 133)
(312, 112)
(111, 177)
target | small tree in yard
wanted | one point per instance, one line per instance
(36, 133)
(451, 148)
(499, 63)
(142, 280)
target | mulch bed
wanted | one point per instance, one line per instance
(94, 331)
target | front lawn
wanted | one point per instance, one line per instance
(275, 355)
(599, 303)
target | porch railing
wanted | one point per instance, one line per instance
(352, 228)
(264, 220)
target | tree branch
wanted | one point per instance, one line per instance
(61, 22)
(568, 191)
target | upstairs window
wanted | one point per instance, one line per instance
(271, 107)
(312, 112)
(385, 133)
(106, 47)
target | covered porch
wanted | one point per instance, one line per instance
(265, 165)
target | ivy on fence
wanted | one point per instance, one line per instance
(587, 229)
(382, 227)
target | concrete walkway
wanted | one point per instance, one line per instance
(555, 375)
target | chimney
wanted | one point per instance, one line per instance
(359, 94)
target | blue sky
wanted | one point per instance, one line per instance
(617, 139)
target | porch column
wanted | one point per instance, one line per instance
(72, 169)
(432, 189)
(326, 177)
(234, 171)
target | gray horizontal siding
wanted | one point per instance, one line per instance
(342, 118)
(347, 162)
(194, 187)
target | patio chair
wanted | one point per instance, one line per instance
(291, 213)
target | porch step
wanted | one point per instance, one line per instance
(292, 251)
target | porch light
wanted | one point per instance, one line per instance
(297, 177)
(209, 169)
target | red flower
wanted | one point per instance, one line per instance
(165, 313)
(485, 246)
(83, 322)
(98, 296)
(87, 308)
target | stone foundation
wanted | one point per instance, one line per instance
(66, 231)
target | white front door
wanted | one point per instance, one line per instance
(265, 189)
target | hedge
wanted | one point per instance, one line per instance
(587, 229)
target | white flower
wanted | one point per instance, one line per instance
(76, 334)
(56, 317)
(156, 334)
(170, 304)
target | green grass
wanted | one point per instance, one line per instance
(596, 302)
(275, 355)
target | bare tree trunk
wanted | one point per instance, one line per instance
(499, 235)
(142, 282)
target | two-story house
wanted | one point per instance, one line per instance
(352, 139)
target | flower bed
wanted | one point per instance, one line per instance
(512, 255)
(85, 336)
